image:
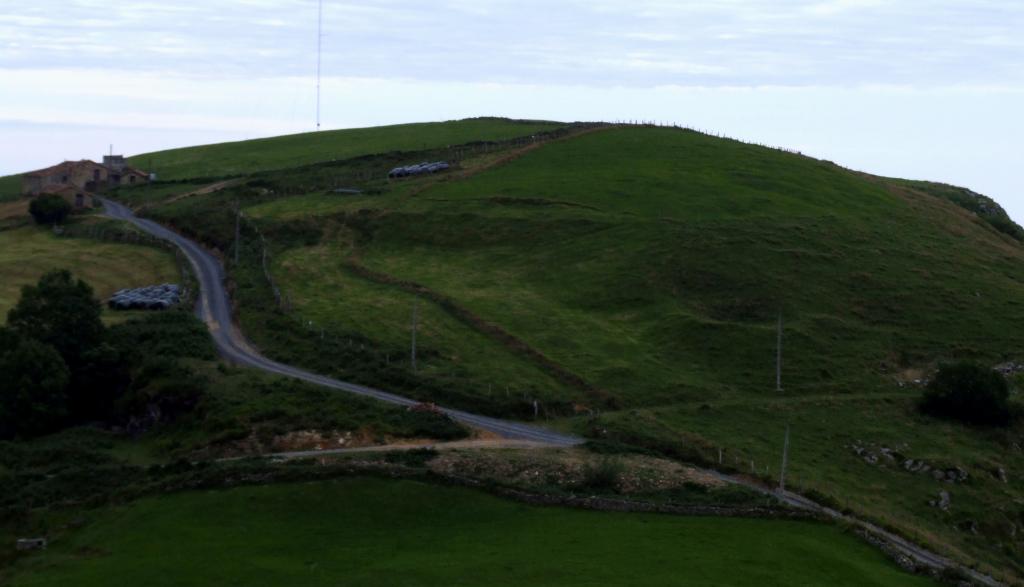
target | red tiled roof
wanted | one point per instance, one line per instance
(64, 167)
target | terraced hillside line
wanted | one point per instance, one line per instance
(467, 317)
(207, 189)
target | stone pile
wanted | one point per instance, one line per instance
(420, 169)
(885, 455)
(153, 297)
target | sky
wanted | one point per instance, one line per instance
(908, 88)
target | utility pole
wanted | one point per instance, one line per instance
(778, 356)
(415, 303)
(785, 461)
(319, 44)
(238, 230)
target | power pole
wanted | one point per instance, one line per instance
(778, 356)
(415, 303)
(238, 230)
(785, 461)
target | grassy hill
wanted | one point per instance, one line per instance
(373, 532)
(300, 149)
(10, 188)
(630, 279)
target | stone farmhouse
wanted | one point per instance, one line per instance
(78, 182)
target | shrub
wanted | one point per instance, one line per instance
(49, 209)
(968, 393)
(174, 333)
(163, 390)
(432, 425)
(411, 458)
(60, 311)
(33, 397)
(603, 475)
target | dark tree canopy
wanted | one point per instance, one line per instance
(60, 366)
(62, 312)
(33, 398)
(969, 393)
(49, 209)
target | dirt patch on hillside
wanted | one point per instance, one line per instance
(260, 443)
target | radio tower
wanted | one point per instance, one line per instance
(319, 39)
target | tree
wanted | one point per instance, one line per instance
(162, 390)
(101, 379)
(49, 209)
(969, 393)
(33, 399)
(62, 312)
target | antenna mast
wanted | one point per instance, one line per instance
(319, 40)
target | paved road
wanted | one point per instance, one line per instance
(215, 310)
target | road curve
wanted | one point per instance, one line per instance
(214, 309)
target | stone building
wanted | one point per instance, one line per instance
(78, 182)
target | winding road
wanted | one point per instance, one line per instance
(215, 310)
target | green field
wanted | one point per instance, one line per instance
(27, 253)
(302, 149)
(371, 532)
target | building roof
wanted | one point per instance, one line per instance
(134, 171)
(61, 168)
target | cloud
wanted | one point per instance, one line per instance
(834, 7)
(726, 42)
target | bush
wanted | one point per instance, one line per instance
(603, 475)
(173, 333)
(33, 397)
(59, 311)
(162, 391)
(49, 209)
(968, 393)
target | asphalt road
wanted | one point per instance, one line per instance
(214, 309)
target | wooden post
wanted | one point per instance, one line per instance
(238, 230)
(415, 303)
(785, 461)
(778, 356)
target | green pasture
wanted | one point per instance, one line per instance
(374, 532)
(302, 149)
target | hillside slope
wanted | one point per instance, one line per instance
(630, 280)
(224, 159)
